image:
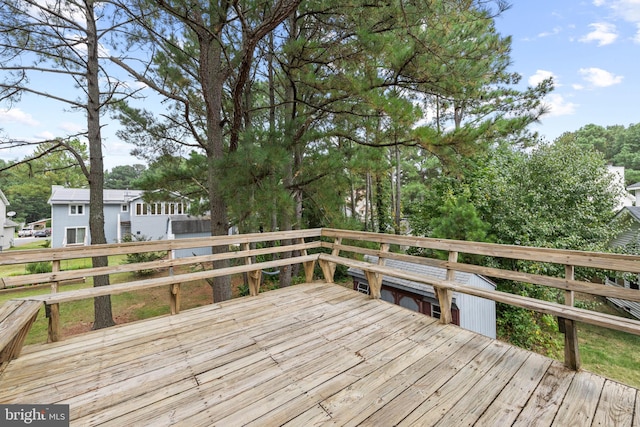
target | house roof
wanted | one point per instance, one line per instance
(62, 195)
(435, 272)
(9, 223)
(3, 198)
(635, 186)
(634, 211)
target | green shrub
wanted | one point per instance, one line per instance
(136, 258)
(39, 267)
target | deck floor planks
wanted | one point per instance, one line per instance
(312, 354)
(441, 400)
(485, 393)
(475, 400)
(506, 407)
(461, 350)
(636, 415)
(305, 382)
(615, 407)
(378, 388)
(580, 401)
(230, 367)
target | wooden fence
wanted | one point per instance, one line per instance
(331, 247)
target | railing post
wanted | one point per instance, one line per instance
(174, 298)
(174, 289)
(375, 279)
(571, 349)
(309, 266)
(254, 277)
(53, 310)
(445, 296)
(329, 268)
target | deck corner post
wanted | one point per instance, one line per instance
(53, 330)
(328, 270)
(53, 310)
(571, 349)
(445, 296)
(253, 277)
(309, 266)
(375, 279)
(375, 284)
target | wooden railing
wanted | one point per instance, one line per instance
(332, 247)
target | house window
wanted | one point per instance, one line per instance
(124, 208)
(435, 311)
(76, 209)
(76, 236)
(363, 287)
(160, 209)
(142, 209)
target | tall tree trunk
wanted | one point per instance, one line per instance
(367, 200)
(380, 210)
(103, 316)
(212, 78)
(398, 189)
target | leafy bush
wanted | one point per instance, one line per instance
(136, 258)
(39, 267)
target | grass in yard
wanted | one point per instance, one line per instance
(612, 354)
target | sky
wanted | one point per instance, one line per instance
(591, 49)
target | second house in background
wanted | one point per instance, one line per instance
(125, 213)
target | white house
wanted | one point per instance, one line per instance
(125, 213)
(8, 226)
(627, 198)
(469, 312)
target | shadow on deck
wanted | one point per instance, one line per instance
(310, 354)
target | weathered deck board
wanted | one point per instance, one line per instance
(312, 354)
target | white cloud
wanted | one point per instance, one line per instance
(600, 78)
(629, 10)
(44, 136)
(636, 39)
(17, 116)
(577, 86)
(541, 75)
(603, 33)
(558, 106)
(71, 127)
(553, 32)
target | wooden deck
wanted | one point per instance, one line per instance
(312, 354)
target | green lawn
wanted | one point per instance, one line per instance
(612, 354)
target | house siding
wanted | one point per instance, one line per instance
(477, 314)
(8, 226)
